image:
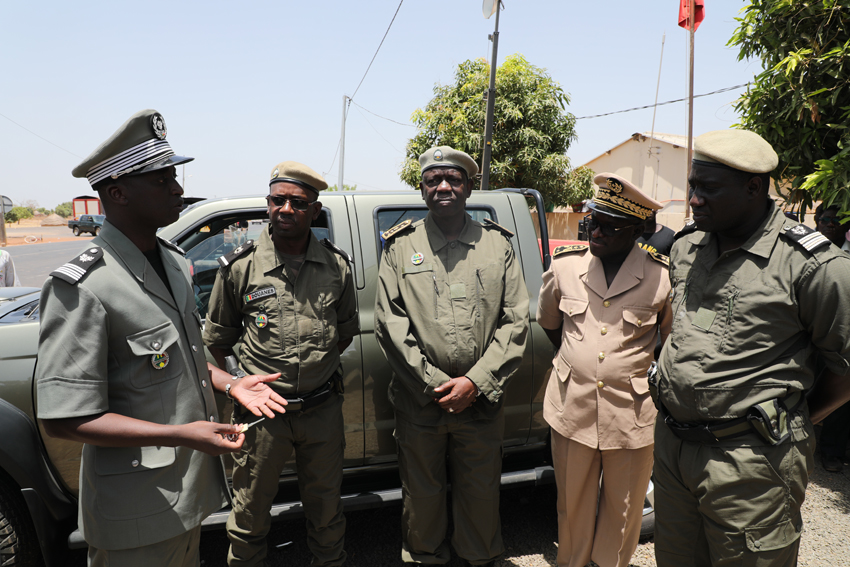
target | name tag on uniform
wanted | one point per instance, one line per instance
(260, 293)
(704, 318)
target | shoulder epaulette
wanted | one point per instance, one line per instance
(389, 233)
(334, 248)
(568, 249)
(490, 224)
(74, 270)
(228, 258)
(689, 228)
(659, 257)
(806, 237)
(170, 245)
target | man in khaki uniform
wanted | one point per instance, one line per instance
(451, 315)
(755, 295)
(603, 305)
(289, 300)
(121, 366)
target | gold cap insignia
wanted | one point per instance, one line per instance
(615, 185)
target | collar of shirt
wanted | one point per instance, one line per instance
(628, 276)
(469, 234)
(761, 242)
(270, 259)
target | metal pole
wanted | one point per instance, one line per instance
(2, 222)
(690, 113)
(491, 107)
(655, 106)
(342, 145)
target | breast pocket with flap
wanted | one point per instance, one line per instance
(574, 311)
(158, 355)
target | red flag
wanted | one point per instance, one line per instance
(685, 13)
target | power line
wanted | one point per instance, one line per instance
(41, 137)
(662, 103)
(384, 117)
(378, 133)
(379, 48)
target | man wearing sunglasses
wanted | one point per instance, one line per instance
(451, 315)
(603, 306)
(756, 295)
(288, 300)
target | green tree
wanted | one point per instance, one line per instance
(18, 213)
(345, 187)
(800, 103)
(44, 211)
(531, 130)
(64, 209)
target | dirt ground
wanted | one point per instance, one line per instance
(30, 231)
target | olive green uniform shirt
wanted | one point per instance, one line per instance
(448, 309)
(102, 348)
(747, 322)
(285, 323)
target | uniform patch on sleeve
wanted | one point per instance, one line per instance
(228, 258)
(386, 235)
(806, 237)
(490, 224)
(568, 249)
(74, 270)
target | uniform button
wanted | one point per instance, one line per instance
(604, 330)
(606, 303)
(155, 345)
(212, 418)
(601, 356)
(600, 384)
(453, 244)
(135, 462)
(640, 322)
(204, 383)
(194, 348)
(757, 543)
(571, 311)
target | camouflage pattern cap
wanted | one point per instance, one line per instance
(617, 197)
(446, 156)
(299, 174)
(138, 146)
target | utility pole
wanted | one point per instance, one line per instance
(342, 144)
(490, 6)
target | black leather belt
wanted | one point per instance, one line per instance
(310, 399)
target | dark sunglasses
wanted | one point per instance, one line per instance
(830, 220)
(607, 230)
(296, 204)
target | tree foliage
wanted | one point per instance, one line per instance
(18, 213)
(64, 209)
(800, 103)
(345, 187)
(531, 130)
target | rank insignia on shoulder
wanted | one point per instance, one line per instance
(389, 233)
(334, 248)
(659, 257)
(228, 258)
(806, 237)
(74, 270)
(490, 224)
(171, 246)
(568, 249)
(689, 228)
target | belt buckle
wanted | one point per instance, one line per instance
(294, 405)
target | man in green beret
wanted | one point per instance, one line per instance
(121, 366)
(288, 301)
(755, 294)
(451, 315)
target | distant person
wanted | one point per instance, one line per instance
(836, 426)
(8, 277)
(656, 237)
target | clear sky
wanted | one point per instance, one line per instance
(245, 85)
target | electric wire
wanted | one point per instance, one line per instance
(662, 103)
(40, 137)
(379, 48)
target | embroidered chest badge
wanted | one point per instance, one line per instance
(417, 258)
(159, 361)
(262, 320)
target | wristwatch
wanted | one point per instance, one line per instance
(227, 390)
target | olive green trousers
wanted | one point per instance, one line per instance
(732, 503)
(317, 437)
(179, 551)
(474, 451)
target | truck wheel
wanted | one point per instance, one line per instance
(76, 231)
(18, 544)
(97, 231)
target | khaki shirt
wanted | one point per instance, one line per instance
(97, 348)
(747, 322)
(598, 393)
(301, 319)
(449, 309)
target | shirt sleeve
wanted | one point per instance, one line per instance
(400, 346)
(224, 317)
(825, 311)
(549, 314)
(71, 373)
(665, 316)
(348, 324)
(503, 355)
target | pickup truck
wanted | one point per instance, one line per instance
(39, 475)
(86, 223)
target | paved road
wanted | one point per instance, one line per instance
(34, 262)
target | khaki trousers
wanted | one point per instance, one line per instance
(474, 451)
(728, 505)
(608, 537)
(179, 551)
(317, 438)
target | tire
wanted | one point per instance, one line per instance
(18, 543)
(97, 231)
(76, 231)
(647, 522)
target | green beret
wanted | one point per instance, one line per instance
(445, 156)
(138, 146)
(618, 197)
(299, 174)
(739, 149)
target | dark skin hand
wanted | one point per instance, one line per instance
(251, 392)
(459, 394)
(830, 393)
